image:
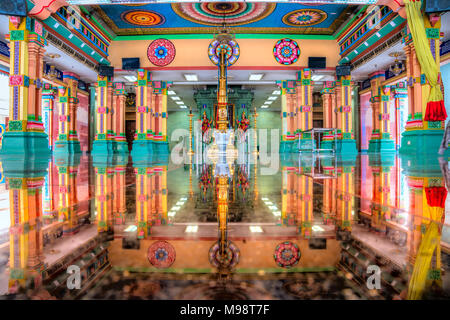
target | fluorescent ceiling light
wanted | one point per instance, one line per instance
(317, 228)
(175, 208)
(131, 228)
(268, 102)
(171, 213)
(273, 208)
(277, 213)
(316, 77)
(183, 107)
(191, 229)
(255, 229)
(183, 199)
(171, 92)
(191, 77)
(277, 92)
(175, 98)
(130, 78)
(256, 76)
(272, 98)
(179, 203)
(268, 203)
(264, 199)
(179, 102)
(264, 107)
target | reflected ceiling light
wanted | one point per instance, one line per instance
(179, 203)
(278, 92)
(264, 107)
(131, 228)
(179, 102)
(316, 77)
(191, 77)
(264, 199)
(175, 208)
(256, 76)
(183, 107)
(130, 78)
(191, 229)
(171, 213)
(268, 203)
(317, 228)
(272, 98)
(175, 98)
(277, 213)
(273, 208)
(171, 92)
(183, 199)
(255, 229)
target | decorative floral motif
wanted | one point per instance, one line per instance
(286, 51)
(161, 254)
(230, 257)
(231, 49)
(304, 17)
(215, 13)
(161, 52)
(286, 254)
(143, 18)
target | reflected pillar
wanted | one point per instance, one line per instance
(67, 141)
(120, 139)
(305, 112)
(143, 201)
(346, 143)
(288, 114)
(142, 144)
(119, 198)
(305, 205)
(104, 136)
(25, 132)
(104, 174)
(345, 196)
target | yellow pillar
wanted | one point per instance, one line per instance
(305, 110)
(104, 134)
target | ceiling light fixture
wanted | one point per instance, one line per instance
(316, 77)
(175, 98)
(264, 107)
(179, 102)
(191, 77)
(256, 76)
(171, 93)
(277, 92)
(268, 102)
(130, 78)
(272, 98)
(183, 107)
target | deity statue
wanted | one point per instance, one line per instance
(243, 125)
(206, 128)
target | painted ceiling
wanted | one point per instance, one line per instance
(243, 17)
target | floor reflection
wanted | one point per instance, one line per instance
(318, 227)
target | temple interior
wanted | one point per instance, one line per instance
(174, 150)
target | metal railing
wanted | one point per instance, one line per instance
(319, 132)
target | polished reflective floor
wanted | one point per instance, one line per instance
(278, 227)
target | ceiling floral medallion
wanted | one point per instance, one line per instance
(161, 52)
(304, 17)
(230, 47)
(216, 13)
(144, 18)
(286, 51)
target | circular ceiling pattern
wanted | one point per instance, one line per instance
(161, 254)
(143, 18)
(215, 13)
(286, 51)
(231, 50)
(161, 52)
(304, 17)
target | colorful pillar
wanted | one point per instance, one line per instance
(329, 115)
(305, 205)
(142, 144)
(401, 98)
(144, 195)
(288, 115)
(104, 136)
(67, 141)
(305, 111)
(26, 243)
(25, 133)
(421, 136)
(381, 140)
(345, 190)
(119, 185)
(346, 143)
(120, 139)
(104, 174)
(48, 103)
(160, 142)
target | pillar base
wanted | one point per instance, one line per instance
(327, 144)
(67, 147)
(142, 148)
(381, 145)
(25, 143)
(287, 146)
(346, 146)
(421, 141)
(102, 147)
(161, 147)
(305, 145)
(121, 147)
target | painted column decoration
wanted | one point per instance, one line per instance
(67, 208)
(104, 175)
(48, 103)
(144, 197)
(421, 136)
(142, 143)
(120, 139)
(160, 141)
(401, 97)
(305, 111)
(345, 199)
(346, 142)
(25, 132)
(288, 125)
(67, 141)
(104, 136)
(329, 115)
